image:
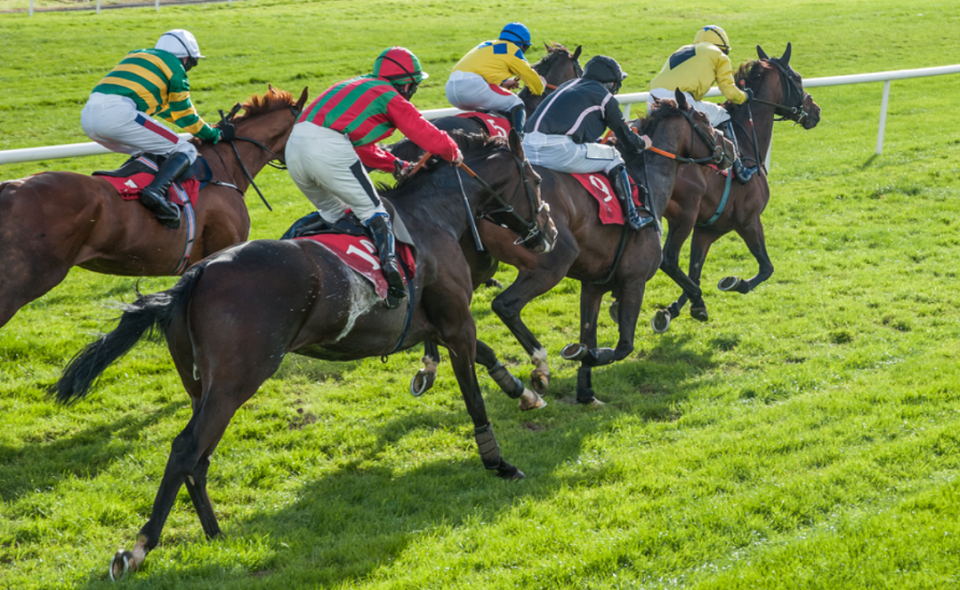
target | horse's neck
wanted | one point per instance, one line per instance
(223, 161)
(762, 127)
(661, 172)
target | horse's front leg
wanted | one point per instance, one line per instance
(513, 387)
(752, 236)
(586, 350)
(425, 377)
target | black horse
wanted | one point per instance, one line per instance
(232, 318)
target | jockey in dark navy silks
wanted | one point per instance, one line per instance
(341, 128)
(482, 79)
(562, 133)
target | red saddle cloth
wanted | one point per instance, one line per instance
(598, 185)
(360, 254)
(496, 126)
(131, 186)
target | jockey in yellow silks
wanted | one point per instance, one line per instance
(482, 79)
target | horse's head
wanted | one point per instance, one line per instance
(774, 82)
(676, 127)
(558, 66)
(514, 200)
(267, 120)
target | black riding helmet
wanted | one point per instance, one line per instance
(605, 70)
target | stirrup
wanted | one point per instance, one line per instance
(742, 173)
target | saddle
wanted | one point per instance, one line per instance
(497, 125)
(350, 241)
(137, 172)
(611, 210)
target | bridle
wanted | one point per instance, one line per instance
(716, 147)
(577, 69)
(792, 107)
(228, 120)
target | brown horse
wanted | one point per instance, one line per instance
(709, 205)
(52, 221)
(603, 258)
(232, 318)
(556, 67)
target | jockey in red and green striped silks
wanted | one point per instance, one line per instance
(338, 133)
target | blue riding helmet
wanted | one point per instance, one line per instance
(516, 33)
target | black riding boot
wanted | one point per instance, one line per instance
(742, 173)
(154, 196)
(621, 186)
(518, 118)
(382, 231)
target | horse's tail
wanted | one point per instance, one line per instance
(147, 314)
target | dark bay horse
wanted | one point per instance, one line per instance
(52, 221)
(556, 67)
(232, 318)
(603, 258)
(696, 203)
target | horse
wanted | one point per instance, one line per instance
(232, 318)
(603, 258)
(711, 206)
(52, 221)
(556, 67)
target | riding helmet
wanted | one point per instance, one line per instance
(517, 34)
(398, 66)
(713, 34)
(179, 42)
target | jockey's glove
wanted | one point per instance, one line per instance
(227, 131)
(402, 168)
(749, 93)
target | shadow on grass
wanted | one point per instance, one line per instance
(869, 161)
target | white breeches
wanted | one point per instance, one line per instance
(324, 165)
(114, 122)
(717, 114)
(561, 153)
(469, 91)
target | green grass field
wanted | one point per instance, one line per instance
(808, 436)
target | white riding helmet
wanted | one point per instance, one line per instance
(179, 42)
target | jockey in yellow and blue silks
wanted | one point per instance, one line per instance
(693, 69)
(483, 78)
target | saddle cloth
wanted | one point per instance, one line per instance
(352, 244)
(137, 172)
(496, 125)
(598, 185)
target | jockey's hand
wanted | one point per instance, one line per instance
(458, 159)
(510, 84)
(749, 93)
(402, 168)
(647, 144)
(227, 131)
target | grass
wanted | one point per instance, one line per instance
(806, 437)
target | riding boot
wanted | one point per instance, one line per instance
(518, 118)
(154, 196)
(621, 186)
(742, 173)
(382, 231)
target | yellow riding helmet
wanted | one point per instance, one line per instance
(714, 34)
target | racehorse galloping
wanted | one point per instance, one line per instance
(710, 205)
(232, 318)
(603, 258)
(556, 67)
(52, 221)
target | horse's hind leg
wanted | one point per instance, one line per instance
(25, 279)
(752, 236)
(510, 385)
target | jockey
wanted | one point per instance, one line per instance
(562, 133)
(482, 79)
(119, 114)
(693, 69)
(339, 130)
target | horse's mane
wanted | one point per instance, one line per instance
(750, 71)
(667, 107)
(274, 99)
(554, 52)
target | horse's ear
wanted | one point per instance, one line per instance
(785, 59)
(547, 46)
(516, 145)
(303, 99)
(270, 88)
(681, 99)
(576, 52)
(762, 53)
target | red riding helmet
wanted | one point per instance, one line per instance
(398, 66)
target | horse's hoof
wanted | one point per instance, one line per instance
(594, 403)
(574, 352)
(661, 321)
(728, 283)
(615, 312)
(421, 382)
(699, 313)
(493, 283)
(120, 565)
(540, 381)
(531, 401)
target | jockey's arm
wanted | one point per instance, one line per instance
(181, 112)
(725, 80)
(411, 123)
(374, 157)
(613, 118)
(519, 67)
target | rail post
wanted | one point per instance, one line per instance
(883, 115)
